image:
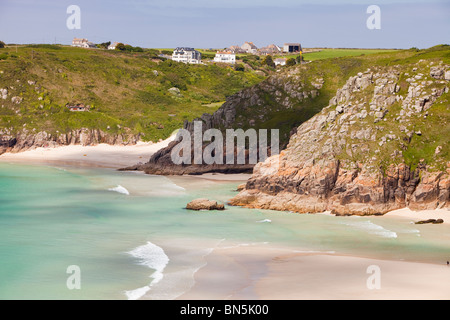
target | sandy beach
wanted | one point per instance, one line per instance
(415, 216)
(269, 273)
(102, 155)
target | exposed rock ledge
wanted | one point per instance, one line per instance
(86, 137)
(327, 187)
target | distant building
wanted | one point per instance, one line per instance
(82, 43)
(77, 42)
(225, 57)
(113, 46)
(236, 49)
(270, 49)
(187, 55)
(292, 47)
(280, 62)
(78, 107)
(249, 47)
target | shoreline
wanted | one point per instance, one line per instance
(263, 272)
(116, 157)
(407, 213)
(98, 156)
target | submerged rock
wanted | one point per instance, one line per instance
(431, 221)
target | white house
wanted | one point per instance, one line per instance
(225, 57)
(113, 46)
(280, 62)
(187, 55)
(82, 43)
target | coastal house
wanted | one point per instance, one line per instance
(187, 55)
(272, 49)
(113, 46)
(249, 47)
(225, 57)
(292, 47)
(235, 49)
(280, 61)
(80, 107)
(82, 43)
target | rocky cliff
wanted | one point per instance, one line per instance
(26, 140)
(282, 101)
(381, 144)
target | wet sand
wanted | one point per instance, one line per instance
(263, 272)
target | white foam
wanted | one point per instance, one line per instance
(265, 221)
(137, 293)
(120, 189)
(372, 228)
(153, 257)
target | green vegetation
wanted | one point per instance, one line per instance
(128, 91)
(338, 53)
(104, 45)
(2, 44)
(268, 61)
(239, 67)
(291, 62)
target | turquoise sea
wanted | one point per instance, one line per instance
(129, 234)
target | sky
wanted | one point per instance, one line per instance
(222, 23)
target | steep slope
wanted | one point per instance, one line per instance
(381, 144)
(132, 95)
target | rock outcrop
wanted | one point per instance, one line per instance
(374, 149)
(204, 204)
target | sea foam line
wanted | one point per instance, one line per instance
(372, 228)
(153, 257)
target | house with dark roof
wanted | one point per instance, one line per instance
(292, 47)
(187, 55)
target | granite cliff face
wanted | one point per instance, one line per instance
(381, 144)
(290, 96)
(26, 140)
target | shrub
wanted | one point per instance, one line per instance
(104, 45)
(269, 61)
(291, 62)
(239, 67)
(2, 44)
(120, 47)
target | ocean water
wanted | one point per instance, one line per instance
(130, 236)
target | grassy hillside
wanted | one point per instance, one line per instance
(127, 91)
(338, 53)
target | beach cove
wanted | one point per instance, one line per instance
(132, 239)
